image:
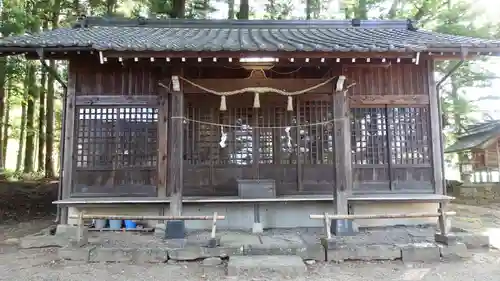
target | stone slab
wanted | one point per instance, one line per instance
(474, 241)
(213, 261)
(112, 255)
(261, 265)
(189, 253)
(224, 252)
(45, 241)
(237, 239)
(363, 252)
(455, 251)
(420, 252)
(157, 255)
(75, 253)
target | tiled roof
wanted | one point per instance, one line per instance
(476, 136)
(230, 35)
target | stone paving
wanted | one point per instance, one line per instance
(410, 244)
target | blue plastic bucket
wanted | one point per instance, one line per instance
(115, 224)
(129, 224)
(100, 224)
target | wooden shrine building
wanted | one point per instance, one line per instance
(479, 147)
(297, 117)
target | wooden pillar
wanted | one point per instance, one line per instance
(176, 149)
(163, 117)
(343, 162)
(436, 136)
(68, 167)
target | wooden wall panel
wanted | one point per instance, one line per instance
(395, 79)
(116, 79)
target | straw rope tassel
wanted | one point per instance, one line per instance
(289, 106)
(256, 101)
(223, 106)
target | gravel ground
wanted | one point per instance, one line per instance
(42, 264)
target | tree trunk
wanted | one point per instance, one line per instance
(244, 12)
(362, 10)
(308, 9)
(22, 132)
(6, 124)
(179, 9)
(3, 64)
(30, 119)
(49, 144)
(41, 122)
(230, 9)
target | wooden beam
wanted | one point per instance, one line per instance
(228, 54)
(116, 100)
(361, 100)
(176, 140)
(436, 137)
(342, 148)
(68, 167)
(290, 85)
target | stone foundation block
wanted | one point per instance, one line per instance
(159, 230)
(263, 265)
(66, 230)
(157, 255)
(338, 251)
(455, 251)
(449, 239)
(213, 242)
(224, 252)
(75, 253)
(112, 255)
(363, 252)
(420, 252)
(29, 242)
(474, 241)
(271, 250)
(189, 253)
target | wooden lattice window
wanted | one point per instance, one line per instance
(402, 132)
(409, 139)
(316, 141)
(369, 135)
(116, 146)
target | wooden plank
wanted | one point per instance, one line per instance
(403, 100)
(342, 148)
(176, 140)
(436, 136)
(163, 114)
(68, 167)
(298, 154)
(289, 85)
(116, 100)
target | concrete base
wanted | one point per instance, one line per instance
(257, 227)
(420, 252)
(272, 215)
(262, 265)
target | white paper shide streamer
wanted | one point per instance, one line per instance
(223, 137)
(288, 138)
